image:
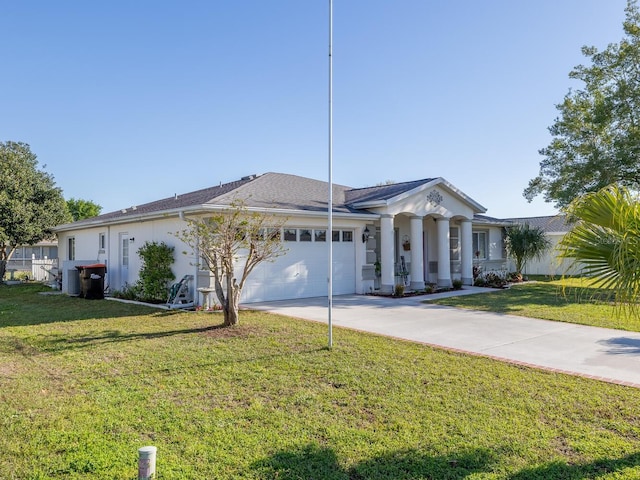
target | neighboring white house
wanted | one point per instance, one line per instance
(555, 227)
(39, 261)
(424, 231)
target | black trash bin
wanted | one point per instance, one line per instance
(92, 280)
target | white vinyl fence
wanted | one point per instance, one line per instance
(44, 270)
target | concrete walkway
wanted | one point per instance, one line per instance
(604, 354)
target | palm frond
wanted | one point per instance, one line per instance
(604, 243)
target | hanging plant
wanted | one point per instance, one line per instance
(406, 244)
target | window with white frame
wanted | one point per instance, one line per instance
(319, 235)
(305, 235)
(316, 235)
(480, 245)
(290, 235)
(71, 248)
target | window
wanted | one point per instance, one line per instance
(125, 251)
(480, 245)
(454, 243)
(305, 235)
(319, 235)
(273, 233)
(71, 248)
(102, 242)
(290, 235)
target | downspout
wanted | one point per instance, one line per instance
(107, 257)
(196, 284)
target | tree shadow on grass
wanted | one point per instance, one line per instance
(56, 343)
(314, 462)
(582, 471)
(28, 307)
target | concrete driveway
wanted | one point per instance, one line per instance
(605, 354)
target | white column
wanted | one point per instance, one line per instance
(466, 252)
(417, 259)
(387, 278)
(444, 257)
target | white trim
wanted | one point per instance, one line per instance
(203, 210)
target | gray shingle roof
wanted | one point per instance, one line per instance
(548, 224)
(383, 192)
(199, 197)
(290, 192)
(478, 218)
(270, 190)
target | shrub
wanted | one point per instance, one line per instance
(20, 275)
(429, 288)
(457, 284)
(494, 280)
(398, 290)
(155, 274)
(480, 282)
(128, 292)
(477, 271)
(515, 277)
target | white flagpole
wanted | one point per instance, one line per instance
(330, 202)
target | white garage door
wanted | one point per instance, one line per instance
(302, 271)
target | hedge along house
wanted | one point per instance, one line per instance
(425, 231)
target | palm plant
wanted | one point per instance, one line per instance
(526, 243)
(604, 242)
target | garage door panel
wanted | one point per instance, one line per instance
(302, 272)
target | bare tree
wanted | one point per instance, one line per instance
(234, 239)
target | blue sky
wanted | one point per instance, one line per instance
(128, 102)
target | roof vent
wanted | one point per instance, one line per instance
(134, 208)
(175, 196)
(124, 210)
(249, 177)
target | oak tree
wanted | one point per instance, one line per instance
(596, 137)
(30, 203)
(82, 209)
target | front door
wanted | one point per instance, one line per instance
(124, 259)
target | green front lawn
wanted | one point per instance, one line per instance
(571, 300)
(84, 384)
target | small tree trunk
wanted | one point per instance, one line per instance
(6, 252)
(231, 315)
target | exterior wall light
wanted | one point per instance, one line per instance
(365, 234)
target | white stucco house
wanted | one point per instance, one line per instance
(418, 232)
